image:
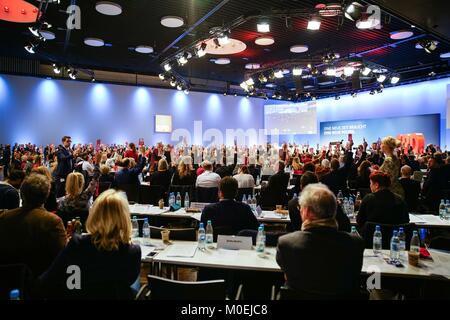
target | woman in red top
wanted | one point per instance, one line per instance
(131, 152)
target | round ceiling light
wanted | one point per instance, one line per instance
(108, 8)
(264, 41)
(222, 61)
(48, 35)
(401, 34)
(252, 66)
(94, 42)
(144, 49)
(172, 21)
(232, 47)
(445, 55)
(299, 48)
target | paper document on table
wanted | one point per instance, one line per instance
(182, 250)
(415, 219)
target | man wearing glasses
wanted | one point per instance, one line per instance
(65, 158)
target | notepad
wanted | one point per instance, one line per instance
(184, 251)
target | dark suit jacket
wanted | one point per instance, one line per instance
(335, 181)
(9, 197)
(321, 260)
(231, 215)
(296, 220)
(33, 237)
(275, 192)
(382, 207)
(187, 180)
(412, 191)
(65, 163)
(103, 274)
(161, 178)
(129, 176)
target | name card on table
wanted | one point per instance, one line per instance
(234, 243)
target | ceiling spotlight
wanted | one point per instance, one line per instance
(366, 71)
(428, 45)
(247, 96)
(35, 32)
(380, 89)
(162, 76)
(72, 74)
(186, 91)
(372, 92)
(354, 94)
(235, 94)
(201, 50)
(314, 71)
(381, 78)
(353, 11)
(179, 87)
(309, 66)
(30, 48)
(167, 67)
(182, 60)
(432, 74)
(244, 86)
(395, 79)
(225, 94)
(279, 74)
(93, 79)
(348, 71)
(249, 82)
(314, 23)
(296, 71)
(331, 72)
(337, 97)
(367, 21)
(173, 83)
(262, 78)
(223, 39)
(56, 69)
(263, 27)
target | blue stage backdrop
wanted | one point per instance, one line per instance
(372, 129)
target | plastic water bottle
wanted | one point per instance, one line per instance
(134, 227)
(354, 232)
(244, 199)
(258, 180)
(295, 196)
(358, 201)
(415, 242)
(350, 207)
(14, 294)
(340, 196)
(187, 203)
(442, 209)
(377, 241)
(201, 237)
(209, 234)
(395, 246)
(402, 242)
(447, 210)
(261, 240)
(178, 199)
(171, 199)
(146, 232)
(345, 206)
(254, 204)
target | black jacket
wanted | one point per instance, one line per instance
(161, 178)
(9, 197)
(65, 162)
(321, 260)
(412, 191)
(382, 207)
(104, 274)
(230, 215)
(129, 176)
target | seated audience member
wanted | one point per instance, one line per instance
(224, 170)
(105, 175)
(411, 187)
(382, 205)
(50, 205)
(129, 175)
(162, 176)
(311, 167)
(336, 179)
(77, 198)
(294, 209)
(208, 179)
(184, 175)
(362, 179)
(31, 235)
(433, 185)
(108, 261)
(319, 259)
(277, 186)
(228, 213)
(87, 166)
(244, 178)
(9, 194)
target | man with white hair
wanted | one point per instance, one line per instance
(319, 259)
(411, 187)
(208, 179)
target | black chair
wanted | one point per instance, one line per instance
(182, 189)
(244, 191)
(165, 289)
(186, 234)
(15, 276)
(67, 216)
(271, 237)
(131, 190)
(265, 177)
(208, 195)
(440, 243)
(290, 294)
(151, 194)
(386, 232)
(102, 186)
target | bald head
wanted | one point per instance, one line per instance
(406, 171)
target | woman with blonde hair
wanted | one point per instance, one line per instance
(108, 261)
(391, 164)
(297, 166)
(184, 175)
(50, 204)
(161, 177)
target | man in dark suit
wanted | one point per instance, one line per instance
(275, 191)
(31, 235)
(228, 215)
(336, 179)
(294, 209)
(411, 187)
(65, 158)
(433, 185)
(9, 194)
(128, 175)
(320, 259)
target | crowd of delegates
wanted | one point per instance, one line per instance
(39, 182)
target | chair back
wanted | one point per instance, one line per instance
(243, 191)
(151, 194)
(182, 189)
(131, 190)
(15, 276)
(209, 195)
(440, 243)
(186, 234)
(166, 289)
(67, 216)
(386, 233)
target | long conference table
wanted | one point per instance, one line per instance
(185, 253)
